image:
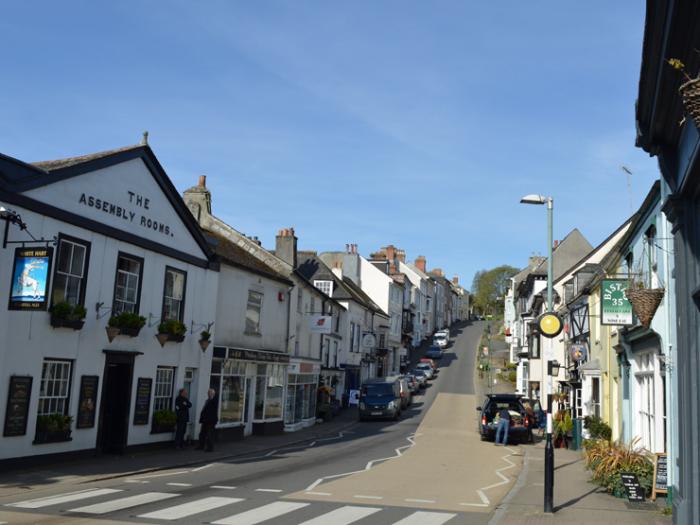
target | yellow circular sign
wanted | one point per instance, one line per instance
(550, 324)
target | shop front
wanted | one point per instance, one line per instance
(250, 385)
(302, 389)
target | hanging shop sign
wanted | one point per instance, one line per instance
(578, 352)
(17, 406)
(369, 340)
(87, 402)
(320, 324)
(30, 278)
(615, 308)
(550, 324)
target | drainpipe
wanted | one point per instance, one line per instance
(289, 314)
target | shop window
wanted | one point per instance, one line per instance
(127, 285)
(54, 390)
(595, 396)
(174, 294)
(163, 396)
(70, 272)
(274, 392)
(253, 309)
(301, 397)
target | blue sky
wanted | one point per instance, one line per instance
(414, 123)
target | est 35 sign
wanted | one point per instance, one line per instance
(615, 308)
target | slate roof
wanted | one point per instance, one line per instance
(570, 250)
(52, 165)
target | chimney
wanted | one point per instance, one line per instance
(198, 200)
(420, 263)
(455, 280)
(401, 254)
(390, 253)
(286, 246)
(556, 244)
(438, 272)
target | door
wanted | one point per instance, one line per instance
(249, 400)
(113, 430)
(190, 384)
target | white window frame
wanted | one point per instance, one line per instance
(163, 391)
(174, 300)
(252, 305)
(137, 276)
(54, 390)
(325, 286)
(68, 274)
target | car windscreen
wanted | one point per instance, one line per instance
(378, 389)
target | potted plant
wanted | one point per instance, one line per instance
(52, 428)
(644, 300)
(163, 421)
(562, 428)
(66, 315)
(171, 330)
(126, 323)
(689, 90)
(204, 340)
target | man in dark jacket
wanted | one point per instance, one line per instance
(209, 417)
(182, 411)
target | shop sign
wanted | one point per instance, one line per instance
(615, 308)
(143, 400)
(369, 340)
(253, 355)
(320, 324)
(87, 402)
(354, 397)
(578, 352)
(30, 278)
(17, 406)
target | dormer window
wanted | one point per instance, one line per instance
(325, 286)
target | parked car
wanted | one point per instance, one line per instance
(421, 377)
(521, 425)
(380, 398)
(444, 331)
(441, 340)
(430, 362)
(413, 384)
(427, 370)
(434, 352)
(406, 394)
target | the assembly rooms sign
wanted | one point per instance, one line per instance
(137, 212)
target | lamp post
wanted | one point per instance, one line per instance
(549, 447)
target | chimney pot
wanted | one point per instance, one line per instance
(202, 181)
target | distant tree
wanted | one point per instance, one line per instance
(489, 288)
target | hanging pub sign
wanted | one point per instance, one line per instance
(320, 324)
(17, 406)
(578, 352)
(30, 278)
(615, 308)
(87, 402)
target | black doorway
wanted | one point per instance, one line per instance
(116, 398)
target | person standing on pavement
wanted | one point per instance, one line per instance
(182, 411)
(209, 417)
(503, 426)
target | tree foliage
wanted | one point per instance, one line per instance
(489, 288)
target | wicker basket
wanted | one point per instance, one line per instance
(645, 302)
(690, 94)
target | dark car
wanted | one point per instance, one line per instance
(434, 352)
(521, 425)
(380, 398)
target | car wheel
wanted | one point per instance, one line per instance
(397, 415)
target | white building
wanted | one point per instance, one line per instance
(120, 241)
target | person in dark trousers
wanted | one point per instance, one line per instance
(209, 417)
(182, 411)
(503, 426)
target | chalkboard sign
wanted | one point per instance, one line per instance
(635, 492)
(660, 475)
(143, 401)
(87, 402)
(17, 406)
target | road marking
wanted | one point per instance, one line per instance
(61, 498)
(202, 467)
(173, 484)
(318, 493)
(260, 514)
(342, 516)
(190, 508)
(268, 490)
(480, 492)
(162, 474)
(135, 481)
(222, 487)
(360, 496)
(412, 500)
(124, 503)
(426, 518)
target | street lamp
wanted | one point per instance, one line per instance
(549, 448)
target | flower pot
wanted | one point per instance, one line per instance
(52, 436)
(690, 95)
(161, 429)
(59, 322)
(162, 338)
(645, 302)
(129, 331)
(204, 344)
(112, 332)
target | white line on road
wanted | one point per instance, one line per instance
(264, 513)
(426, 518)
(222, 487)
(190, 508)
(319, 493)
(269, 490)
(415, 500)
(361, 496)
(142, 481)
(162, 474)
(202, 467)
(342, 516)
(61, 498)
(124, 503)
(480, 492)
(173, 484)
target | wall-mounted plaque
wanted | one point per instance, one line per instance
(143, 401)
(17, 406)
(87, 402)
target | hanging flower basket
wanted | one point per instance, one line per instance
(645, 302)
(690, 95)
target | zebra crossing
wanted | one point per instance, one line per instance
(111, 500)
